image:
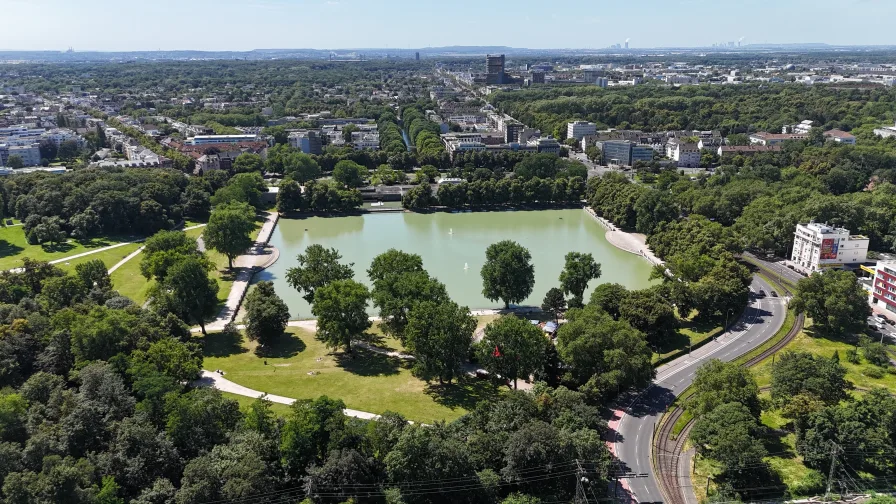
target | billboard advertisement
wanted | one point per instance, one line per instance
(829, 248)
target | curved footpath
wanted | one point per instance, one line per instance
(632, 426)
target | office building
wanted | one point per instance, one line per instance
(624, 152)
(819, 246)
(417, 56)
(544, 144)
(221, 139)
(580, 129)
(29, 154)
(884, 289)
(307, 141)
(494, 66)
(537, 77)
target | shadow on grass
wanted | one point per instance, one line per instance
(8, 249)
(466, 393)
(285, 346)
(677, 341)
(223, 344)
(363, 362)
(774, 443)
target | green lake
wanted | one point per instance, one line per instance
(452, 246)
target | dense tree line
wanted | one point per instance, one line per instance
(94, 202)
(731, 109)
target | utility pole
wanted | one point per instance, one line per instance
(827, 493)
(581, 480)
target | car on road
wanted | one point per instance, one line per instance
(774, 294)
(761, 293)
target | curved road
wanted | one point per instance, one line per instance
(635, 423)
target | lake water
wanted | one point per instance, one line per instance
(452, 246)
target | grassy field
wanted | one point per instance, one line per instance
(109, 257)
(14, 246)
(690, 333)
(130, 283)
(855, 373)
(301, 367)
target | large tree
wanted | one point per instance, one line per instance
(318, 266)
(301, 167)
(718, 382)
(513, 348)
(289, 196)
(730, 434)
(607, 356)
(341, 310)
(554, 302)
(399, 282)
(266, 313)
(834, 300)
(349, 174)
(248, 162)
(796, 373)
(229, 230)
(580, 268)
(164, 249)
(650, 312)
(439, 335)
(188, 292)
(508, 274)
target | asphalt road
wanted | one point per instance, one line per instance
(634, 433)
(776, 265)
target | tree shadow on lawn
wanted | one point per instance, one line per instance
(8, 249)
(363, 362)
(283, 347)
(223, 344)
(466, 393)
(774, 443)
(677, 341)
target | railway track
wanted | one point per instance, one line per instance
(667, 447)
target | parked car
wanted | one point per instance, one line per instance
(774, 294)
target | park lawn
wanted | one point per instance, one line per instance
(14, 247)
(109, 257)
(826, 348)
(690, 333)
(281, 410)
(368, 382)
(128, 281)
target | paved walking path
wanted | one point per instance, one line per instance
(137, 252)
(211, 379)
(634, 243)
(257, 258)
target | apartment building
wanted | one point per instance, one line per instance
(819, 246)
(884, 288)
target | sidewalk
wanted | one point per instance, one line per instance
(210, 379)
(633, 243)
(257, 258)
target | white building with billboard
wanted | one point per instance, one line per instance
(817, 247)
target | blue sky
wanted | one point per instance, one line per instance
(253, 24)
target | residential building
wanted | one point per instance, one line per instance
(580, 129)
(494, 65)
(537, 77)
(884, 289)
(819, 246)
(765, 138)
(685, 154)
(886, 131)
(307, 141)
(803, 128)
(512, 130)
(29, 154)
(365, 141)
(839, 136)
(221, 139)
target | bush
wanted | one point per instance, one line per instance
(873, 372)
(812, 484)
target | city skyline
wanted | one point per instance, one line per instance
(228, 25)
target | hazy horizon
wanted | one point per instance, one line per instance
(244, 25)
